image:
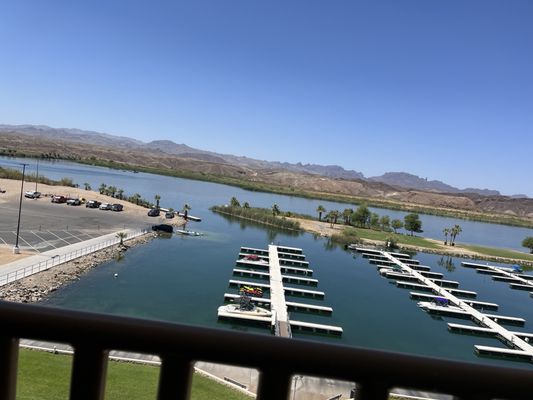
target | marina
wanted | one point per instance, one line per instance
(444, 302)
(278, 320)
(512, 275)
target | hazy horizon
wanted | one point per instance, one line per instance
(441, 90)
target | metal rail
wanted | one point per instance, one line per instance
(278, 359)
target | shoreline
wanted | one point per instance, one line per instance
(324, 230)
(38, 287)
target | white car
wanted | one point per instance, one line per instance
(105, 206)
(32, 194)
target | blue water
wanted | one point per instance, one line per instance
(175, 192)
(183, 279)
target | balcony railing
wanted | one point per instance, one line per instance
(179, 346)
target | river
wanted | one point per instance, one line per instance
(183, 279)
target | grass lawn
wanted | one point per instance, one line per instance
(515, 255)
(46, 376)
(401, 239)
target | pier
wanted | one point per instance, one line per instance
(486, 323)
(274, 265)
(515, 279)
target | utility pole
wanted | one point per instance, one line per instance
(37, 176)
(16, 249)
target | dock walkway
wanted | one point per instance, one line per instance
(483, 320)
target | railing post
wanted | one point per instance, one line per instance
(371, 391)
(89, 369)
(174, 379)
(273, 384)
(9, 351)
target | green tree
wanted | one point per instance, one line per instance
(374, 221)
(120, 193)
(454, 232)
(122, 236)
(234, 202)
(332, 217)
(157, 198)
(320, 209)
(111, 190)
(396, 224)
(528, 242)
(87, 186)
(446, 232)
(347, 215)
(361, 216)
(412, 223)
(135, 198)
(384, 223)
(186, 208)
(102, 188)
(275, 210)
(246, 205)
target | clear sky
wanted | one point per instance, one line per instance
(442, 89)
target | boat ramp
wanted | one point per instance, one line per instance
(454, 302)
(278, 265)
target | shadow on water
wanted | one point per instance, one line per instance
(446, 262)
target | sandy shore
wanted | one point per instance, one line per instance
(324, 229)
(36, 287)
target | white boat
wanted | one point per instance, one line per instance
(431, 306)
(237, 309)
(187, 232)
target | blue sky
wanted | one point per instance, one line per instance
(441, 89)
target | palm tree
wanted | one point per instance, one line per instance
(275, 210)
(87, 186)
(120, 193)
(320, 209)
(102, 188)
(446, 232)
(112, 190)
(347, 215)
(454, 232)
(122, 236)
(135, 198)
(246, 205)
(157, 198)
(234, 202)
(186, 209)
(332, 217)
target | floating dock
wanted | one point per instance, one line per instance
(486, 323)
(189, 217)
(273, 264)
(516, 280)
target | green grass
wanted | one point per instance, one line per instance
(400, 239)
(46, 376)
(495, 252)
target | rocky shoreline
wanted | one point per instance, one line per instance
(37, 287)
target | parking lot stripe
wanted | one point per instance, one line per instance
(60, 238)
(22, 238)
(44, 240)
(74, 236)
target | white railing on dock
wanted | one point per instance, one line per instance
(63, 258)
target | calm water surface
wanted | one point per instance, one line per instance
(175, 192)
(183, 279)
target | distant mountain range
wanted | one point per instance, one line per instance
(398, 179)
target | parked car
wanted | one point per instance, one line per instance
(73, 202)
(59, 199)
(117, 207)
(154, 212)
(32, 194)
(105, 206)
(169, 215)
(92, 204)
(163, 228)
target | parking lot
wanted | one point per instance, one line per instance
(44, 240)
(45, 225)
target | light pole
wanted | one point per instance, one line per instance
(16, 249)
(37, 176)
